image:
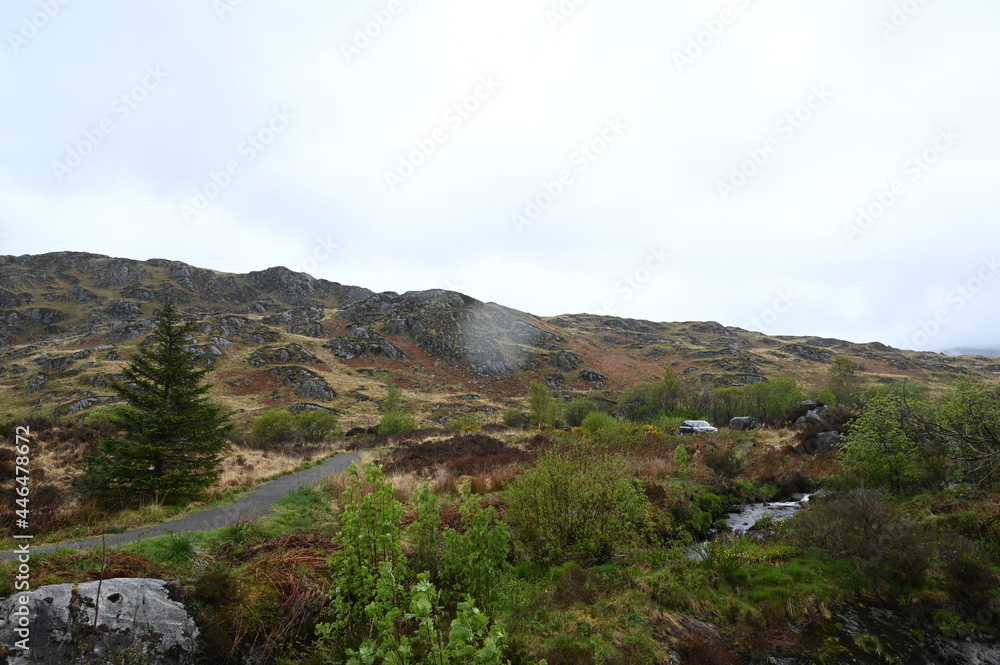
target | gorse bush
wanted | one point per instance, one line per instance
(578, 504)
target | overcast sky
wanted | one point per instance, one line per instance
(790, 167)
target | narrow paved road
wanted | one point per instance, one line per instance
(256, 504)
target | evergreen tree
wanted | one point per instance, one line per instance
(172, 437)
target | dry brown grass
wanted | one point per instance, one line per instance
(246, 466)
(57, 459)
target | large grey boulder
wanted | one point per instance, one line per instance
(824, 441)
(743, 423)
(137, 621)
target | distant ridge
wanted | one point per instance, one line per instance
(969, 351)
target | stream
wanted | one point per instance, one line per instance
(745, 516)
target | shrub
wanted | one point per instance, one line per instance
(726, 462)
(396, 422)
(280, 425)
(273, 427)
(107, 415)
(470, 639)
(863, 525)
(314, 425)
(578, 506)
(516, 418)
(598, 421)
(544, 410)
(576, 411)
(369, 553)
(881, 450)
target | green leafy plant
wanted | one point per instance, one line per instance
(370, 552)
(544, 410)
(395, 419)
(469, 639)
(578, 504)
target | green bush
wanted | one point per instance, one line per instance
(396, 422)
(599, 421)
(273, 427)
(577, 505)
(315, 425)
(576, 411)
(516, 418)
(104, 416)
(881, 449)
(369, 552)
(279, 425)
(886, 544)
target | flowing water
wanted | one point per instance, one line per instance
(745, 516)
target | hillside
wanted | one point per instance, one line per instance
(280, 338)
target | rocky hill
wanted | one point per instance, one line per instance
(281, 338)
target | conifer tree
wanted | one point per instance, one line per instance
(172, 437)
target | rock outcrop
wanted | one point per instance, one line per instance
(137, 620)
(362, 340)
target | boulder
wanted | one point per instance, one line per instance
(137, 620)
(599, 380)
(307, 384)
(743, 423)
(823, 441)
(363, 340)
